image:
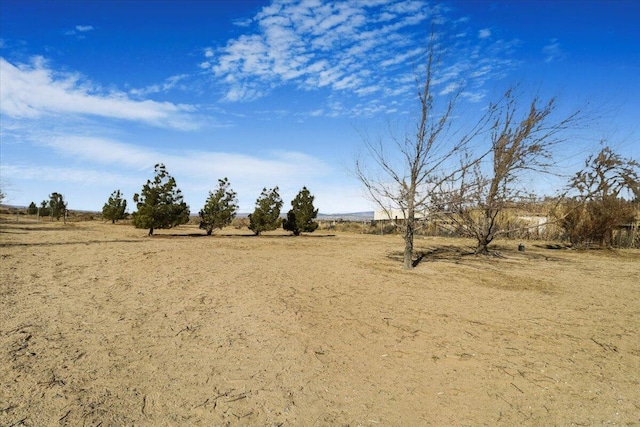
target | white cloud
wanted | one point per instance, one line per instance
(172, 82)
(368, 90)
(485, 33)
(402, 58)
(316, 44)
(406, 7)
(198, 165)
(450, 88)
(79, 31)
(363, 50)
(42, 173)
(386, 16)
(112, 163)
(242, 22)
(348, 82)
(481, 71)
(473, 97)
(242, 92)
(32, 91)
(99, 150)
(553, 51)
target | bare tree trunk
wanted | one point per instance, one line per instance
(487, 228)
(408, 244)
(483, 245)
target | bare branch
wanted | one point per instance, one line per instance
(521, 141)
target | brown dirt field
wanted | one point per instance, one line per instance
(103, 326)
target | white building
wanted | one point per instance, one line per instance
(394, 215)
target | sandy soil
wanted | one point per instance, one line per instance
(101, 325)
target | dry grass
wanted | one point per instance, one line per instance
(101, 325)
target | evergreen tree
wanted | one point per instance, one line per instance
(266, 216)
(302, 214)
(32, 209)
(160, 204)
(44, 208)
(116, 207)
(57, 205)
(220, 208)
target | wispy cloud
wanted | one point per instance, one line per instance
(79, 31)
(553, 51)
(242, 22)
(108, 162)
(170, 83)
(450, 88)
(99, 150)
(84, 28)
(43, 173)
(361, 50)
(35, 90)
(319, 45)
(202, 165)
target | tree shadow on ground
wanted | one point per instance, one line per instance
(553, 246)
(440, 253)
(21, 230)
(457, 254)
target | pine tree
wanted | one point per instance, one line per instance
(302, 214)
(44, 208)
(220, 208)
(160, 204)
(266, 216)
(32, 209)
(115, 208)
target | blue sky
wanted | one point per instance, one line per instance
(94, 93)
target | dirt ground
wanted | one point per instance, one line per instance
(101, 325)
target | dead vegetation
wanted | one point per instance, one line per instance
(101, 325)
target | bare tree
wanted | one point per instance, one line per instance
(608, 175)
(522, 142)
(403, 174)
(608, 195)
